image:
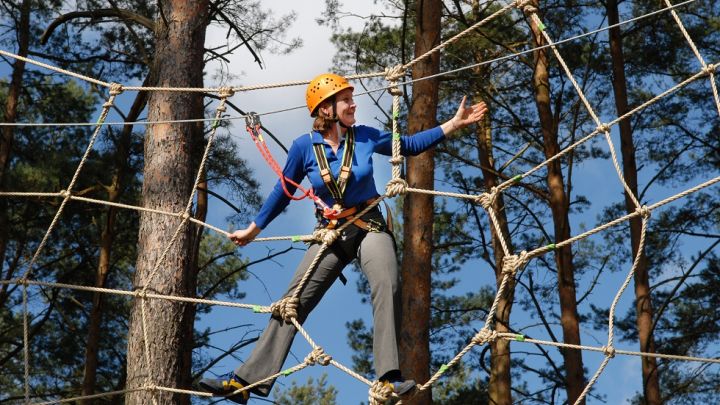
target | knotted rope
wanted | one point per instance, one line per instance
(513, 263)
(485, 335)
(396, 187)
(486, 200)
(318, 356)
(326, 236)
(393, 75)
(379, 393)
(286, 308)
(644, 211)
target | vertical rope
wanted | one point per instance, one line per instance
(225, 93)
(393, 75)
(115, 89)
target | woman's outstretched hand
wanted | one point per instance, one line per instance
(464, 116)
(242, 237)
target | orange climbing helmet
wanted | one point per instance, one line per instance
(323, 87)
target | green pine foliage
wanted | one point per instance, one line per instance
(312, 393)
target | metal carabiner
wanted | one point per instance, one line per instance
(252, 120)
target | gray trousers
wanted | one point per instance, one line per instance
(376, 255)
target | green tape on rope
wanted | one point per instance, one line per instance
(520, 338)
(551, 246)
(541, 26)
(396, 115)
(396, 135)
(444, 368)
(287, 372)
(517, 178)
(257, 308)
(295, 239)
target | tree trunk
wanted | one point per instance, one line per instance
(500, 387)
(120, 176)
(11, 104)
(168, 177)
(93, 337)
(643, 303)
(574, 378)
(416, 266)
(189, 332)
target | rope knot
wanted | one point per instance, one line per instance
(485, 336)
(395, 73)
(396, 187)
(379, 393)
(609, 351)
(513, 263)
(318, 356)
(327, 236)
(709, 69)
(185, 216)
(644, 211)
(226, 92)
(286, 308)
(603, 128)
(487, 199)
(115, 89)
(64, 193)
(526, 6)
(397, 160)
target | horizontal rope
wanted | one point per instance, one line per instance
(376, 74)
(441, 193)
(93, 396)
(604, 349)
(138, 294)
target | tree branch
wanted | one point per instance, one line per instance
(95, 14)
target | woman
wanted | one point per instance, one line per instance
(337, 158)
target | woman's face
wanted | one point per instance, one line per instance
(345, 107)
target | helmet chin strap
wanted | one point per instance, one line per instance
(335, 116)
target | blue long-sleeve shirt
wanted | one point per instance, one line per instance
(301, 162)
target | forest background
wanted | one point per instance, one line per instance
(675, 147)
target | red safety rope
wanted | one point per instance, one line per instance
(253, 126)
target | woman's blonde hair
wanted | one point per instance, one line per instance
(323, 122)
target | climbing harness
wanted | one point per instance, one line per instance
(336, 187)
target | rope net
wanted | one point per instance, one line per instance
(286, 308)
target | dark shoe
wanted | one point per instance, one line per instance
(401, 388)
(225, 386)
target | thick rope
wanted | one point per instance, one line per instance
(137, 293)
(114, 91)
(225, 94)
(608, 352)
(379, 393)
(392, 76)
